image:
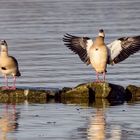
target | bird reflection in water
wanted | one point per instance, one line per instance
(101, 128)
(96, 129)
(8, 121)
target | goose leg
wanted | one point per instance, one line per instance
(14, 83)
(104, 74)
(97, 77)
(6, 83)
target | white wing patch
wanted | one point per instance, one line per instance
(114, 49)
(89, 44)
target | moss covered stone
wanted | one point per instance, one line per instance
(84, 93)
(133, 92)
(20, 95)
(95, 90)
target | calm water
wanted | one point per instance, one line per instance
(34, 31)
(56, 121)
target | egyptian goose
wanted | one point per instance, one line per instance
(96, 53)
(8, 65)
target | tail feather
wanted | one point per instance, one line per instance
(18, 73)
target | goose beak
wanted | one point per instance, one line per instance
(101, 33)
(3, 42)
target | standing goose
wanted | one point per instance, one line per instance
(8, 65)
(96, 53)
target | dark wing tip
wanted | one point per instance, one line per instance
(77, 45)
(67, 38)
(18, 73)
(130, 45)
(17, 67)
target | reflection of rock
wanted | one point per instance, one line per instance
(100, 103)
(96, 90)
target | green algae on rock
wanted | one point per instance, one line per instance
(30, 94)
(133, 92)
(85, 93)
(95, 90)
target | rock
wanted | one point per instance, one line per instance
(90, 91)
(117, 93)
(65, 89)
(133, 92)
(85, 94)
(30, 94)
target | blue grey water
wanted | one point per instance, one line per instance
(34, 30)
(53, 121)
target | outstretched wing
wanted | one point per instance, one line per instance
(122, 48)
(79, 45)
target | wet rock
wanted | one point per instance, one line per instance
(30, 94)
(133, 92)
(85, 94)
(90, 91)
(117, 93)
(65, 89)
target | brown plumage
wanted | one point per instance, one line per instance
(8, 65)
(98, 55)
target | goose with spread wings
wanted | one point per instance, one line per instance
(99, 54)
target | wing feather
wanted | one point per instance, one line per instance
(122, 48)
(79, 45)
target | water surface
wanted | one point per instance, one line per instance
(34, 30)
(57, 121)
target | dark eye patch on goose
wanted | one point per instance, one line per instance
(3, 68)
